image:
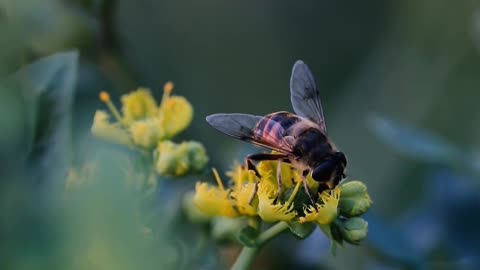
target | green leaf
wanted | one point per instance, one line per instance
(47, 86)
(301, 230)
(248, 236)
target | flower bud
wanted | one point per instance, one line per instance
(353, 230)
(175, 115)
(138, 105)
(355, 200)
(103, 129)
(180, 159)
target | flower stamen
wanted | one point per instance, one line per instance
(218, 179)
(105, 98)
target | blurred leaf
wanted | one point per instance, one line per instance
(47, 86)
(248, 236)
(391, 243)
(412, 142)
(301, 230)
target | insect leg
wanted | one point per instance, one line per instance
(255, 189)
(263, 156)
(305, 186)
(279, 180)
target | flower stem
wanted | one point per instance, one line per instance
(248, 254)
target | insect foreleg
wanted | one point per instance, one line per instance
(305, 186)
(262, 157)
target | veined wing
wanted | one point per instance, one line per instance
(304, 95)
(243, 127)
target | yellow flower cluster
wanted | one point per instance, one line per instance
(149, 126)
(249, 195)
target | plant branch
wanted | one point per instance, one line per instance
(248, 254)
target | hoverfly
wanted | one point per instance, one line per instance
(299, 139)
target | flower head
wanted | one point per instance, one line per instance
(138, 105)
(214, 201)
(326, 212)
(180, 159)
(102, 128)
(270, 210)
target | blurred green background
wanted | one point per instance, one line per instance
(399, 82)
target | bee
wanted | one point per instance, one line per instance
(300, 139)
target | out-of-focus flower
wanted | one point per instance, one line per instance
(214, 201)
(146, 126)
(145, 123)
(138, 105)
(146, 133)
(180, 159)
(175, 114)
(112, 132)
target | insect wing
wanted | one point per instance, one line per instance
(243, 127)
(304, 95)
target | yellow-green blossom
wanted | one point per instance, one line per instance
(138, 105)
(102, 128)
(175, 114)
(214, 201)
(179, 159)
(268, 209)
(324, 213)
(146, 133)
(246, 200)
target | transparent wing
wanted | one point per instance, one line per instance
(243, 127)
(304, 95)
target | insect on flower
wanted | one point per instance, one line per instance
(299, 139)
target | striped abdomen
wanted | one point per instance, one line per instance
(275, 126)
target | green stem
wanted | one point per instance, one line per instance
(248, 254)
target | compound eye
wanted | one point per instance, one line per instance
(323, 172)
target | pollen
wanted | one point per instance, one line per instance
(104, 97)
(168, 87)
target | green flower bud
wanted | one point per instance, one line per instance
(138, 105)
(180, 159)
(354, 200)
(103, 129)
(353, 230)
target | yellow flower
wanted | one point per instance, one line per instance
(175, 114)
(269, 210)
(323, 213)
(214, 201)
(103, 129)
(268, 171)
(146, 133)
(245, 199)
(240, 175)
(138, 105)
(180, 159)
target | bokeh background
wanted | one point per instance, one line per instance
(399, 82)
